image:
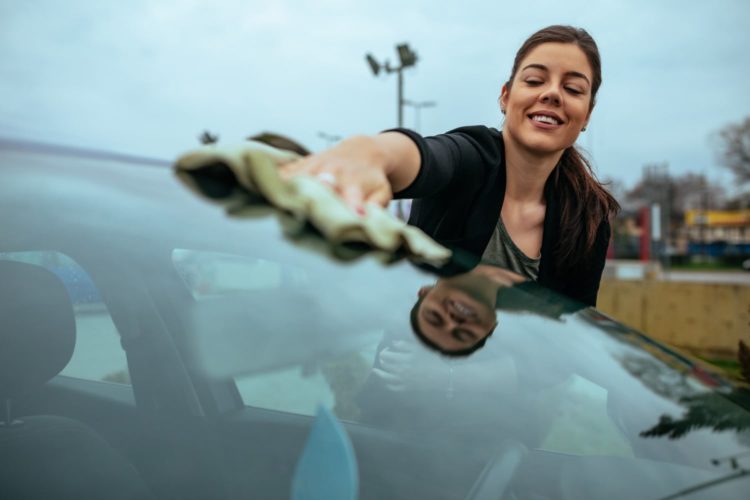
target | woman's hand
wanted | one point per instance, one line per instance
(404, 366)
(362, 169)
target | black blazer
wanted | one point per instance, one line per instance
(458, 196)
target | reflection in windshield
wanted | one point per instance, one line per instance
(576, 400)
(456, 315)
(702, 410)
(721, 410)
(252, 301)
(711, 410)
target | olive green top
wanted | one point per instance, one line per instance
(502, 252)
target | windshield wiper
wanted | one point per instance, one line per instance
(708, 484)
(732, 459)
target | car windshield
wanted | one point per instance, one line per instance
(207, 341)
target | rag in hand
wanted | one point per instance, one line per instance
(228, 174)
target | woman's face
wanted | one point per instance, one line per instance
(458, 312)
(549, 100)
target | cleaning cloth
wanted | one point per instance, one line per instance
(236, 175)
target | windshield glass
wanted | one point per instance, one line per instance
(442, 385)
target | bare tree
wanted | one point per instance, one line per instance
(677, 192)
(733, 149)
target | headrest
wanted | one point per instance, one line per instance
(37, 327)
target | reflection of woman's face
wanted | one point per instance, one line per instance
(457, 313)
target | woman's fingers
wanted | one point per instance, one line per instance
(353, 196)
(403, 346)
(395, 358)
(289, 170)
(386, 375)
(392, 382)
(351, 168)
(302, 166)
(380, 196)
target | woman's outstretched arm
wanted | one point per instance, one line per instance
(364, 169)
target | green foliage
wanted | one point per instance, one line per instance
(708, 410)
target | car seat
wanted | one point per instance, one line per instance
(48, 456)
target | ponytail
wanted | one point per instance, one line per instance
(584, 205)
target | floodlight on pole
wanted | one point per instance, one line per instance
(407, 58)
(374, 64)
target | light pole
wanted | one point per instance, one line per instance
(407, 58)
(329, 138)
(418, 105)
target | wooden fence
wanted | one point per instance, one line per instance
(708, 319)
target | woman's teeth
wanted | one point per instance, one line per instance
(544, 119)
(463, 309)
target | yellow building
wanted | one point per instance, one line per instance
(732, 226)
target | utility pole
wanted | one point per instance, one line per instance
(407, 59)
(704, 227)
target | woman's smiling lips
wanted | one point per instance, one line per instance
(461, 310)
(545, 120)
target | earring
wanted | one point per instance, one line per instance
(502, 110)
(583, 129)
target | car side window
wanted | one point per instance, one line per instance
(296, 389)
(98, 354)
(209, 274)
(334, 384)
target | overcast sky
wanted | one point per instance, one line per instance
(146, 77)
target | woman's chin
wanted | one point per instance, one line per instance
(546, 143)
(542, 144)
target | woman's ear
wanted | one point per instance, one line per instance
(422, 293)
(503, 100)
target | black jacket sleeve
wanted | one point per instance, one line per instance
(457, 161)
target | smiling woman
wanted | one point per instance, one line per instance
(524, 199)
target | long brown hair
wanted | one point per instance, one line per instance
(582, 197)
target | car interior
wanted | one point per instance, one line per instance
(122, 374)
(48, 455)
(171, 434)
(94, 439)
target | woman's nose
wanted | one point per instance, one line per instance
(456, 318)
(551, 96)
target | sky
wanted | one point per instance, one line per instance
(147, 77)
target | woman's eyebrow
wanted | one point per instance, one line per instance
(569, 73)
(461, 335)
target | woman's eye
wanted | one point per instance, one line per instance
(533, 82)
(433, 318)
(574, 90)
(463, 335)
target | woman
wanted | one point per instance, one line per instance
(524, 199)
